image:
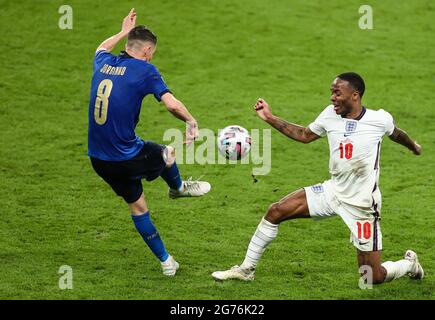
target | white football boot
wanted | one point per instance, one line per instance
(417, 270)
(170, 267)
(235, 272)
(191, 188)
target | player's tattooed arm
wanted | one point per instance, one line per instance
(291, 130)
(402, 138)
(127, 24)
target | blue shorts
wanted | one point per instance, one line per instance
(125, 176)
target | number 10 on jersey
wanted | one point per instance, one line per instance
(346, 150)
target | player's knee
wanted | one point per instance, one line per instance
(138, 207)
(275, 213)
(169, 156)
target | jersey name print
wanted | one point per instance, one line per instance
(114, 71)
(354, 147)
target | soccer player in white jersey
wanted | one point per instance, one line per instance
(354, 134)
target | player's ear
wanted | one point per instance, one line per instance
(355, 95)
(144, 51)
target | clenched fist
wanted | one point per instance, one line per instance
(263, 110)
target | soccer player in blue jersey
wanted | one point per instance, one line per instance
(122, 159)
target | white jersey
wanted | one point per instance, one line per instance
(355, 146)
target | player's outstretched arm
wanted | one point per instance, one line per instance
(127, 24)
(291, 130)
(177, 108)
(402, 138)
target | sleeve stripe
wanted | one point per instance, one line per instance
(99, 50)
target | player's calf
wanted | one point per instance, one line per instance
(379, 277)
(371, 261)
(373, 275)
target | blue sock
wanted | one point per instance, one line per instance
(172, 177)
(150, 235)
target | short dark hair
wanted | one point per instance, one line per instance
(141, 33)
(355, 80)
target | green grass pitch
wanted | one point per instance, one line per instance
(218, 57)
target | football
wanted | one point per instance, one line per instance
(234, 142)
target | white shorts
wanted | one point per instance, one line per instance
(363, 223)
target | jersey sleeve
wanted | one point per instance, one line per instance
(319, 125)
(389, 123)
(100, 58)
(156, 85)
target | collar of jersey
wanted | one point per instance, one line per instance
(363, 111)
(124, 54)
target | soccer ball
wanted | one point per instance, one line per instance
(234, 142)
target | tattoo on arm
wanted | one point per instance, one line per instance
(402, 138)
(293, 131)
(282, 124)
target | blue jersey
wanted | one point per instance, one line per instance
(119, 84)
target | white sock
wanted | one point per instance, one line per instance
(264, 235)
(397, 269)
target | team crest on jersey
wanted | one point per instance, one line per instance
(318, 188)
(351, 126)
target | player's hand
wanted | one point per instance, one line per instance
(263, 110)
(192, 131)
(129, 22)
(417, 149)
